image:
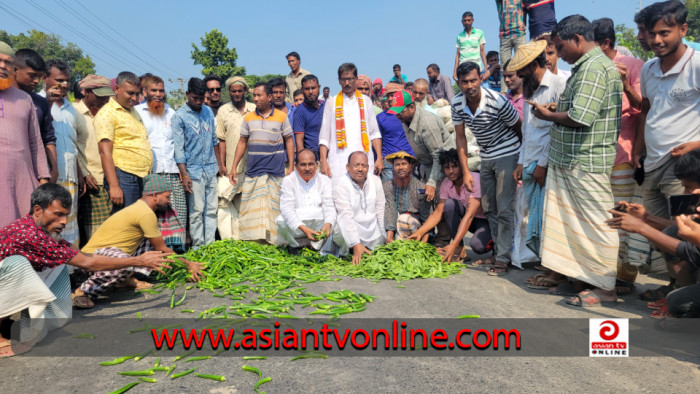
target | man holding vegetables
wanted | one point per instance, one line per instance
(127, 233)
(359, 200)
(308, 212)
(32, 272)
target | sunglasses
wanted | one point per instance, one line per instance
(214, 90)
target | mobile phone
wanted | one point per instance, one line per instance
(620, 208)
(421, 191)
(683, 204)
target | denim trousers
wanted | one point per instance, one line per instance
(202, 205)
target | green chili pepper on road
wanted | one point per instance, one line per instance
(181, 374)
(260, 383)
(218, 378)
(125, 388)
(253, 370)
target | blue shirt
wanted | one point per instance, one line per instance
(403, 76)
(194, 135)
(493, 83)
(308, 120)
(393, 137)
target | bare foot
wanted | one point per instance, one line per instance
(131, 283)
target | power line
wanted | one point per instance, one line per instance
(33, 24)
(125, 38)
(94, 27)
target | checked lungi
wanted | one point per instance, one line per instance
(260, 205)
(576, 242)
(173, 223)
(100, 281)
(406, 225)
(95, 207)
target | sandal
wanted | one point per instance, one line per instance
(566, 289)
(588, 299)
(531, 280)
(658, 304)
(81, 300)
(132, 283)
(656, 294)
(499, 265)
(623, 287)
(543, 283)
(540, 267)
(483, 262)
(660, 313)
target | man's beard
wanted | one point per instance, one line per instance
(156, 107)
(6, 82)
(56, 236)
(530, 85)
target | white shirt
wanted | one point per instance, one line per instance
(338, 158)
(161, 137)
(360, 211)
(301, 200)
(675, 106)
(69, 126)
(535, 131)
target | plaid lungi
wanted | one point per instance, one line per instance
(71, 233)
(406, 225)
(95, 208)
(260, 205)
(100, 281)
(576, 242)
(173, 222)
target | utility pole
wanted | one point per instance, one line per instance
(182, 86)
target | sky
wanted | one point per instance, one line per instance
(156, 36)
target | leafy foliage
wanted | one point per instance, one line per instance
(693, 19)
(49, 47)
(215, 56)
(627, 37)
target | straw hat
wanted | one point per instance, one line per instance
(401, 155)
(526, 54)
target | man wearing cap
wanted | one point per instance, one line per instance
(427, 135)
(306, 205)
(406, 207)
(364, 85)
(496, 125)
(33, 277)
(440, 84)
(393, 137)
(308, 116)
(95, 205)
(359, 200)
(123, 142)
(22, 156)
(377, 91)
(70, 127)
(157, 117)
(199, 160)
(228, 131)
(349, 125)
(586, 124)
(29, 69)
(295, 75)
(539, 86)
(129, 232)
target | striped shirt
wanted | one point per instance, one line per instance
(266, 151)
(492, 124)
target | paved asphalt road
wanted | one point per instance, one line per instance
(473, 292)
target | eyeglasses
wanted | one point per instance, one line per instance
(214, 90)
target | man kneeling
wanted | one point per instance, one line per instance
(406, 204)
(308, 213)
(359, 200)
(461, 210)
(129, 232)
(33, 278)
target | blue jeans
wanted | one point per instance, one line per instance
(132, 188)
(388, 172)
(202, 205)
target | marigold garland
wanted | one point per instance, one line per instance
(340, 134)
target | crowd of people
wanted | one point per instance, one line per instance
(117, 180)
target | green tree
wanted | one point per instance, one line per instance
(693, 19)
(215, 56)
(627, 38)
(176, 98)
(49, 47)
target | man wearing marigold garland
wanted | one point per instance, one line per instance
(348, 125)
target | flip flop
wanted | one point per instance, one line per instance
(543, 279)
(660, 313)
(564, 289)
(658, 304)
(589, 299)
(82, 302)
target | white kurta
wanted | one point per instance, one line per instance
(304, 203)
(338, 158)
(160, 135)
(360, 214)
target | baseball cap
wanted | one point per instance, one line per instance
(402, 99)
(98, 84)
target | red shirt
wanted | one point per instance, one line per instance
(23, 237)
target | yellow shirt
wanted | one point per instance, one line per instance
(125, 229)
(131, 151)
(88, 147)
(228, 128)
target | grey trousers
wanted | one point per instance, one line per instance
(658, 185)
(497, 201)
(508, 47)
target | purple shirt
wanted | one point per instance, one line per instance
(517, 103)
(448, 190)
